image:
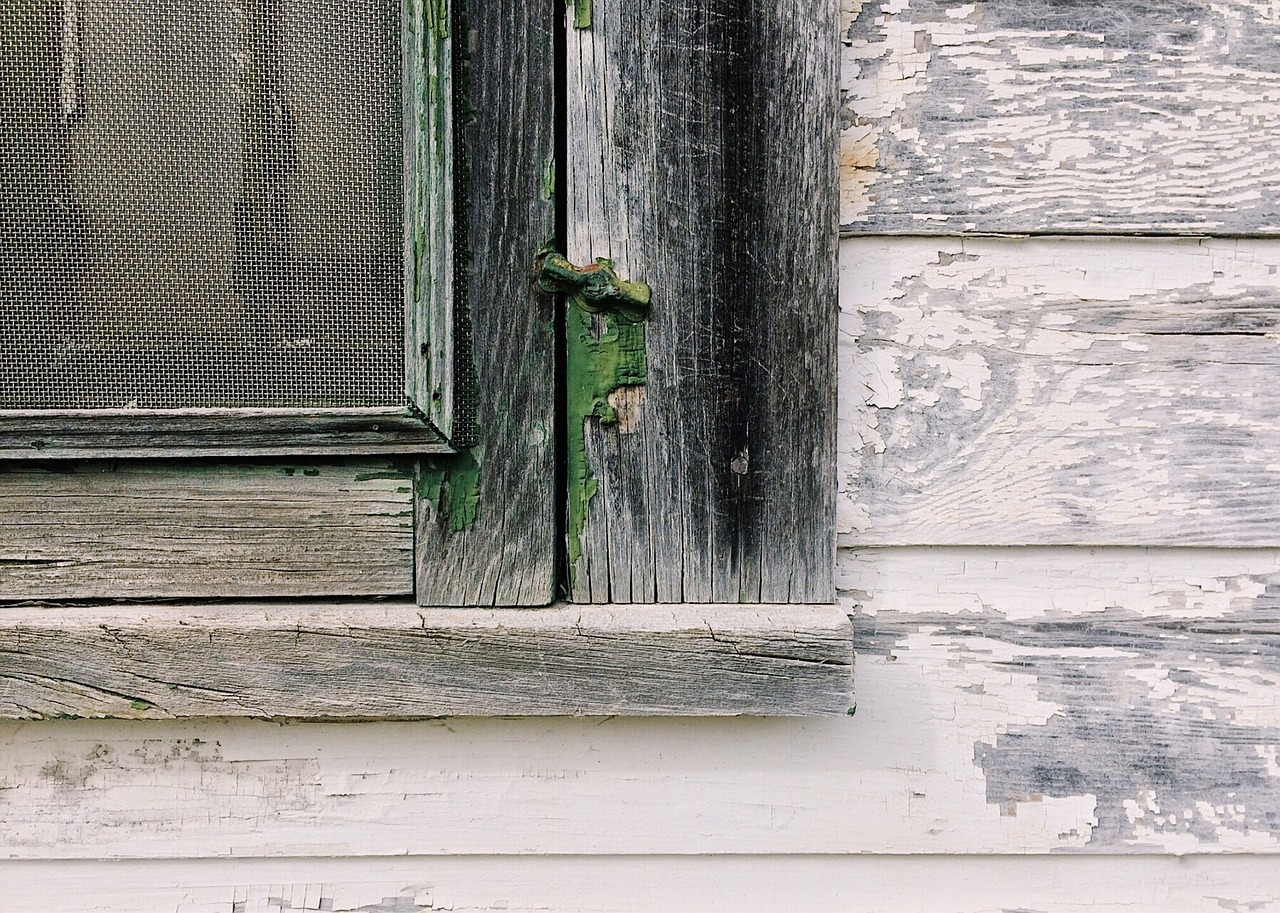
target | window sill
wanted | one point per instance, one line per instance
(398, 661)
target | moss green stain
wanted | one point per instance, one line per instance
(436, 14)
(549, 178)
(452, 485)
(595, 367)
(581, 13)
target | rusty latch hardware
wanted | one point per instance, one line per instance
(596, 288)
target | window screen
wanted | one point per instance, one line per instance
(202, 204)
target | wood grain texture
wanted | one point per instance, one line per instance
(649, 884)
(110, 434)
(701, 160)
(144, 530)
(432, 305)
(1087, 391)
(1004, 116)
(505, 145)
(1010, 701)
(395, 661)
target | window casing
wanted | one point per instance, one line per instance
(314, 558)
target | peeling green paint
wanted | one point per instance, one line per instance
(392, 473)
(596, 364)
(452, 485)
(436, 14)
(549, 178)
(140, 704)
(581, 13)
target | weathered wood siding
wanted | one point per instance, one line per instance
(996, 115)
(1054, 391)
(144, 530)
(651, 884)
(1057, 546)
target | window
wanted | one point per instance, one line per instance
(227, 229)
(688, 147)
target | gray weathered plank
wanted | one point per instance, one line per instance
(431, 304)
(142, 530)
(397, 661)
(701, 151)
(489, 537)
(44, 434)
(997, 115)
(1087, 391)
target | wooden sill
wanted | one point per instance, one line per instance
(399, 661)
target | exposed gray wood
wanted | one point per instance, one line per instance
(1128, 694)
(996, 115)
(139, 530)
(431, 302)
(701, 151)
(86, 433)
(1060, 391)
(389, 661)
(503, 553)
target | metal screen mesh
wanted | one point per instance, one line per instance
(200, 204)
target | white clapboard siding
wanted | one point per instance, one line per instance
(1071, 391)
(1009, 701)
(650, 884)
(1000, 115)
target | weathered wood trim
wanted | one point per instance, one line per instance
(701, 161)
(486, 522)
(149, 529)
(67, 434)
(395, 661)
(435, 368)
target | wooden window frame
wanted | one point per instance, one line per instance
(705, 589)
(434, 418)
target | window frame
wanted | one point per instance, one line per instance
(485, 636)
(434, 418)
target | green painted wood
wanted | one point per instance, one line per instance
(431, 303)
(486, 524)
(702, 161)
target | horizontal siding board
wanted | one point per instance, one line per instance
(649, 884)
(162, 530)
(998, 116)
(1059, 391)
(1009, 701)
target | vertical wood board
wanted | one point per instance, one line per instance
(430, 299)
(486, 531)
(701, 151)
